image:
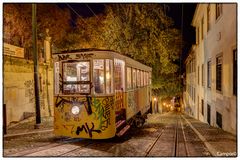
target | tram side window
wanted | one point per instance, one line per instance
(145, 78)
(129, 78)
(134, 77)
(150, 78)
(109, 68)
(98, 75)
(119, 76)
(142, 78)
(76, 78)
(138, 78)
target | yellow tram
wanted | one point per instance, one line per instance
(99, 93)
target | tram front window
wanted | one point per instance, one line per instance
(76, 78)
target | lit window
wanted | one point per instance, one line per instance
(76, 78)
(98, 76)
(146, 78)
(119, 76)
(142, 78)
(129, 78)
(134, 77)
(150, 78)
(138, 78)
(109, 70)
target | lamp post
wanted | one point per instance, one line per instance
(36, 81)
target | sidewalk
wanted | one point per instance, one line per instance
(27, 127)
(218, 142)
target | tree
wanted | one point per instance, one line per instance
(140, 31)
(145, 33)
(17, 23)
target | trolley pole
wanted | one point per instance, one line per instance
(35, 55)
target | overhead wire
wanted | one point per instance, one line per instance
(76, 13)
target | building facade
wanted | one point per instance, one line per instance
(215, 85)
(190, 83)
(18, 84)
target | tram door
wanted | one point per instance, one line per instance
(119, 82)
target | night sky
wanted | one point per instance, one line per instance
(175, 12)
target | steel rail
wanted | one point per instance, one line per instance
(154, 143)
(184, 139)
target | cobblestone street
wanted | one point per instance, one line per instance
(166, 135)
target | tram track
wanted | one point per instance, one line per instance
(65, 143)
(178, 147)
(175, 139)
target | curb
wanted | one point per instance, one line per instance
(210, 148)
(27, 133)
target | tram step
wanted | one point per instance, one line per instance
(120, 123)
(123, 131)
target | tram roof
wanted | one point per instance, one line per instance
(116, 54)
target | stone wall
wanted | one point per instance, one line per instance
(18, 89)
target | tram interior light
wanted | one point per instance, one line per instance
(155, 99)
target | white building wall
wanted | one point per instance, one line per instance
(220, 39)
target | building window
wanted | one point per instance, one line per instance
(235, 71)
(218, 10)
(198, 75)
(219, 119)
(208, 17)
(202, 27)
(209, 71)
(202, 74)
(219, 73)
(202, 107)
(208, 114)
(197, 35)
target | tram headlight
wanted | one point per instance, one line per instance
(75, 110)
